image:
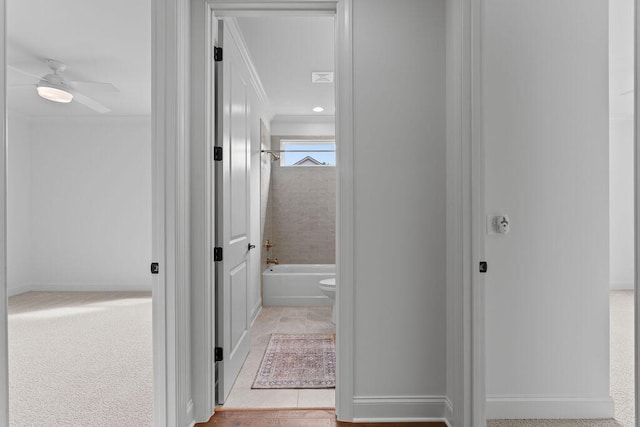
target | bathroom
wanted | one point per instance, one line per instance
(298, 216)
(297, 199)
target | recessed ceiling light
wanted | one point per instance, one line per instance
(318, 109)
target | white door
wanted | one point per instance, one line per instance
(232, 212)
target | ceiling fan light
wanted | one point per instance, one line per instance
(54, 94)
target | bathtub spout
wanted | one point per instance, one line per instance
(272, 260)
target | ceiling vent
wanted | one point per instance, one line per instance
(322, 77)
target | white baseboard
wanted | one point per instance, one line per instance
(77, 287)
(191, 418)
(549, 407)
(18, 289)
(400, 409)
(448, 414)
(622, 286)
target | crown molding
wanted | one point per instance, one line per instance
(261, 8)
(279, 118)
(234, 29)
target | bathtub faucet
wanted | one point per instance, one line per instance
(272, 260)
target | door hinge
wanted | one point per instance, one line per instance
(217, 54)
(218, 354)
(217, 254)
(155, 268)
(217, 154)
(483, 266)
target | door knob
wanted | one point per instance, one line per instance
(251, 246)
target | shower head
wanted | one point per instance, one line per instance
(274, 156)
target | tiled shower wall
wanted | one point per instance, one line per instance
(301, 212)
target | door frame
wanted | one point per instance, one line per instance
(465, 213)
(202, 104)
(477, 235)
(636, 171)
(478, 306)
(167, 193)
(4, 344)
(169, 110)
(465, 370)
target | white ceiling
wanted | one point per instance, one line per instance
(284, 51)
(108, 41)
(111, 42)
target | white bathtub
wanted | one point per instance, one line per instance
(295, 284)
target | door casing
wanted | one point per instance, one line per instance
(468, 389)
(636, 171)
(203, 27)
(163, 222)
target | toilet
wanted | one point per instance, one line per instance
(328, 287)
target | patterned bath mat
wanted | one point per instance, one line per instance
(298, 361)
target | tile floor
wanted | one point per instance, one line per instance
(282, 320)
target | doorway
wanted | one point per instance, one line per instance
(287, 105)
(79, 215)
(548, 288)
(233, 12)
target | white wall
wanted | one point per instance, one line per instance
(621, 38)
(89, 204)
(303, 125)
(545, 130)
(18, 204)
(399, 182)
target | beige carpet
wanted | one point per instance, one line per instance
(622, 372)
(298, 361)
(622, 369)
(553, 423)
(80, 359)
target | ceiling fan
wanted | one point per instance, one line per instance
(54, 87)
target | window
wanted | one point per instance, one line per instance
(307, 153)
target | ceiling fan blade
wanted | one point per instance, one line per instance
(90, 103)
(108, 87)
(18, 70)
